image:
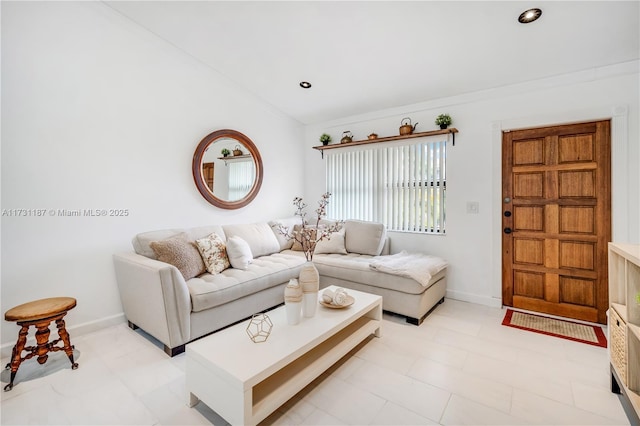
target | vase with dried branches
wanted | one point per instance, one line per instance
(307, 236)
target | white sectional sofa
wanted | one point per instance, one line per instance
(177, 301)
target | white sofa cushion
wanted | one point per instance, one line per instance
(259, 236)
(209, 290)
(288, 223)
(141, 241)
(364, 237)
(355, 268)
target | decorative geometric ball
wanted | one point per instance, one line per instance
(259, 328)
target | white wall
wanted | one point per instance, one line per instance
(472, 243)
(97, 113)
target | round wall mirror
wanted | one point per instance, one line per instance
(227, 169)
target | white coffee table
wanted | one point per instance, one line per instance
(244, 382)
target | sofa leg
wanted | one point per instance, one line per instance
(418, 321)
(173, 351)
(414, 321)
(132, 325)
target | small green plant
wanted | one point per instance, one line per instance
(325, 139)
(443, 120)
(225, 152)
(638, 298)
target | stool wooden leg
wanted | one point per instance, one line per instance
(42, 338)
(64, 335)
(16, 356)
(13, 353)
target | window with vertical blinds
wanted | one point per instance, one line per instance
(402, 186)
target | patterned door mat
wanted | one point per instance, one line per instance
(589, 334)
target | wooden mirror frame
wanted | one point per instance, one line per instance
(196, 169)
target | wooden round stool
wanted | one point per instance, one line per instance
(40, 313)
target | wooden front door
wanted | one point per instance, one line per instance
(208, 174)
(556, 198)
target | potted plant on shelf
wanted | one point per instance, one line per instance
(325, 139)
(225, 152)
(443, 120)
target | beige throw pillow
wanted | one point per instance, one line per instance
(181, 253)
(214, 253)
(364, 237)
(297, 246)
(334, 244)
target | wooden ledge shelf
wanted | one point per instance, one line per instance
(451, 130)
(235, 158)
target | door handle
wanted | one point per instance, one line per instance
(507, 230)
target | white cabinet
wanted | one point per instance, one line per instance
(624, 324)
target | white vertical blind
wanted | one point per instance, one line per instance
(241, 177)
(402, 186)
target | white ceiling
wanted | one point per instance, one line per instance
(370, 55)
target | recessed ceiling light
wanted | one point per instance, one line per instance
(529, 15)
(305, 84)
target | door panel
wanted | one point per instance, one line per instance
(556, 219)
(529, 151)
(577, 220)
(579, 255)
(577, 291)
(528, 185)
(580, 184)
(530, 284)
(528, 250)
(573, 149)
(528, 218)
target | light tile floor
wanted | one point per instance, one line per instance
(461, 366)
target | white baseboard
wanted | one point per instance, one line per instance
(74, 331)
(474, 298)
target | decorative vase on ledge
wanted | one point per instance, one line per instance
(310, 283)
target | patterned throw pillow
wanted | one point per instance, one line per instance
(181, 253)
(214, 253)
